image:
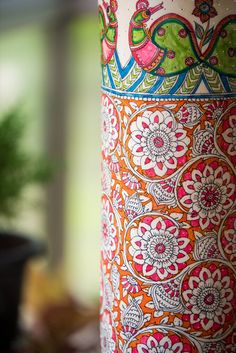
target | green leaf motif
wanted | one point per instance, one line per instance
(199, 30)
(208, 36)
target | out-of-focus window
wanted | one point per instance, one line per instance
(23, 63)
(25, 78)
(83, 183)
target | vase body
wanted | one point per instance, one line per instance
(168, 176)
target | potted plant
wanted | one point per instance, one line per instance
(18, 169)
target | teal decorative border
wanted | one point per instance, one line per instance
(131, 78)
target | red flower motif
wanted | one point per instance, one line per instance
(204, 9)
(216, 109)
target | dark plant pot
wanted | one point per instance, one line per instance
(15, 251)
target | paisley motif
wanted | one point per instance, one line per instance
(166, 297)
(207, 248)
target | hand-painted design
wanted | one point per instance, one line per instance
(106, 178)
(228, 238)
(139, 199)
(157, 143)
(163, 191)
(230, 342)
(130, 181)
(108, 335)
(130, 285)
(226, 135)
(203, 141)
(227, 345)
(147, 54)
(107, 294)
(204, 10)
(114, 164)
(108, 31)
(189, 114)
(110, 125)
(216, 109)
(158, 247)
(132, 78)
(117, 200)
(133, 206)
(166, 296)
(218, 347)
(132, 318)
(206, 248)
(230, 135)
(171, 56)
(207, 192)
(115, 277)
(110, 230)
(161, 339)
(170, 46)
(208, 292)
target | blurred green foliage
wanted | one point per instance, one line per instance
(18, 167)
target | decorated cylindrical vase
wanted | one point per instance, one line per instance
(168, 176)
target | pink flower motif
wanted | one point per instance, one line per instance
(160, 342)
(223, 33)
(189, 61)
(109, 230)
(117, 199)
(230, 135)
(216, 109)
(160, 71)
(159, 249)
(208, 192)
(208, 295)
(213, 60)
(171, 54)
(130, 181)
(110, 126)
(183, 33)
(158, 143)
(130, 284)
(161, 32)
(114, 164)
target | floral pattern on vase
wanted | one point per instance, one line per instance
(227, 238)
(169, 177)
(157, 142)
(110, 230)
(161, 340)
(159, 248)
(209, 295)
(208, 192)
(110, 126)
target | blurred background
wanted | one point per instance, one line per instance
(49, 69)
